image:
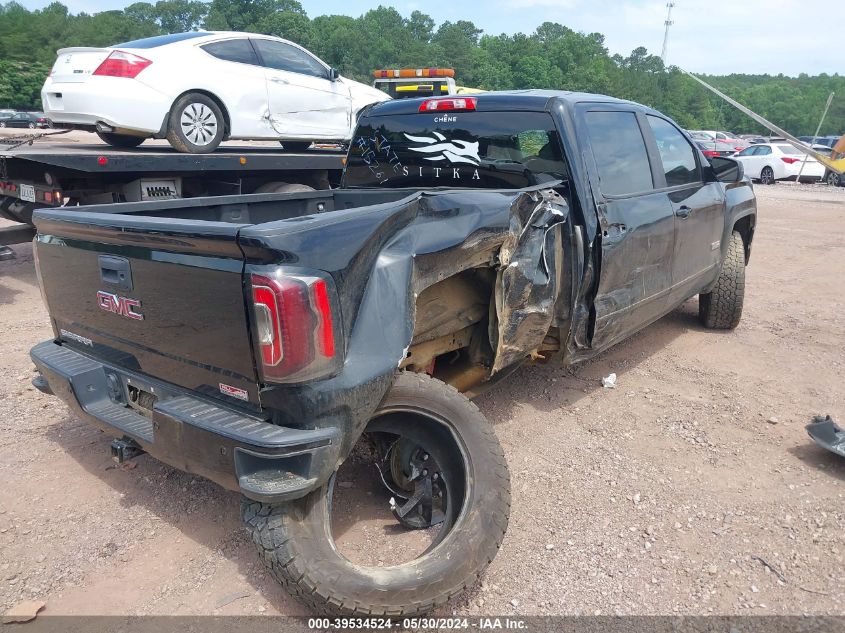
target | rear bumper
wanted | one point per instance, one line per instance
(124, 104)
(264, 461)
(810, 173)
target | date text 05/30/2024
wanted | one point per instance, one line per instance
(483, 623)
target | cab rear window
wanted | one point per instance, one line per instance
(498, 150)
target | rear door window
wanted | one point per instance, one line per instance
(498, 150)
(620, 152)
(240, 51)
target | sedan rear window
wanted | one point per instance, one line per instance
(497, 150)
(789, 150)
(161, 40)
(240, 51)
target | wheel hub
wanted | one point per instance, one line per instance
(198, 123)
(423, 479)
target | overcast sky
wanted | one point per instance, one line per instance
(708, 36)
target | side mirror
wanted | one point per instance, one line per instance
(334, 74)
(727, 169)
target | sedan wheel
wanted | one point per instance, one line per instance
(199, 124)
(767, 176)
(834, 179)
(2, 124)
(32, 126)
(196, 124)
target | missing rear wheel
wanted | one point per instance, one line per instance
(456, 520)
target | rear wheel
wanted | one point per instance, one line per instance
(441, 460)
(121, 140)
(833, 179)
(31, 125)
(196, 124)
(767, 176)
(295, 146)
(2, 124)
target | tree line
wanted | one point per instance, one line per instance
(553, 56)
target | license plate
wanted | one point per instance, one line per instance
(28, 193)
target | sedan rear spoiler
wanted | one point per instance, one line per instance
(81, 49)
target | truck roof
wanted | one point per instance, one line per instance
(530, 100)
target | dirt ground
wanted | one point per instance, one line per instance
(665, 495)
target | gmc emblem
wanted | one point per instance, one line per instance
(123, 306)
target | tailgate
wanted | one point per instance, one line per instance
(75, 65)
(159, 296)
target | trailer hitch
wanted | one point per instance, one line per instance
(124, 450)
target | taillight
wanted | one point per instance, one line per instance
(122, 64)
(441, 105)
(789, 160)
(297, 326)
(710, 153)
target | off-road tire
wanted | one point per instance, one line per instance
(123, 141)
(176, 136)
(721, 308)
(295, 542)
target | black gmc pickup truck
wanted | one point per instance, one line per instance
(255, 339)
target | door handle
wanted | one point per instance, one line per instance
(683, 212)
(279, 80)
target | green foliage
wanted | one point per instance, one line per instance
(553, 56)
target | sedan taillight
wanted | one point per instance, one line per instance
(122, 64)
(789, 160)
(297, 326)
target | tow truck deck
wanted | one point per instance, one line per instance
(60, 168)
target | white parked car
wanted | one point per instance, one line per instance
(770, 162)
(199, 88)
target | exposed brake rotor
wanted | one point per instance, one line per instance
(424, 506)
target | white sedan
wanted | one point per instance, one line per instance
(197, 89)
(770, 162)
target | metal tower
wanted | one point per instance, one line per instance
(668, 23)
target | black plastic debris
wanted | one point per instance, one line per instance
(825, 432)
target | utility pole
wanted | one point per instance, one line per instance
(816, 135)
(668, 23)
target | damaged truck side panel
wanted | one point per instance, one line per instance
(411, 248)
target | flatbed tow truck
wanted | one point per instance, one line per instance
(49, 169)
